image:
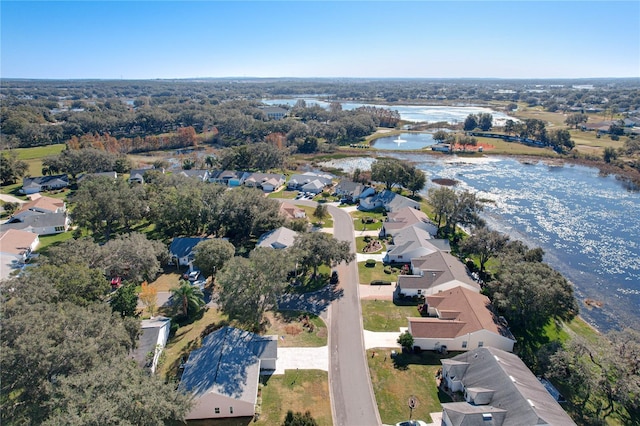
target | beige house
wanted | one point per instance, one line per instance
(460, 320)
(15, 248)
(289, 211)
(223, 374)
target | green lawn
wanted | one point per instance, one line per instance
(327, 222)
(359, 225)
(49, 240)
(39, 152)
(396, 380)
(296, 390)
(384, 315)
(367, 274)
(289, 195)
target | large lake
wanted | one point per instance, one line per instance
(587, 224)
(414, 113)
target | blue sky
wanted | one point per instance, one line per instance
(171, 39)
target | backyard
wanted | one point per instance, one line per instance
(368, 274)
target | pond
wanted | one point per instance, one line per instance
(405, 142)
(587, 224)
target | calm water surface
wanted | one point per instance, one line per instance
(587, 224)
(415, 113)
(405, 142)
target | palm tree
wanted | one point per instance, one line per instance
(188, 296)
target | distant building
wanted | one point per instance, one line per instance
(274, 112)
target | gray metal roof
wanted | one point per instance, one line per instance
(228, 363)
(182, 247)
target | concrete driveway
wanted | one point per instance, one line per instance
(381, 339)
(316, 358)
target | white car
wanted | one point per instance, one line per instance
(412, 423)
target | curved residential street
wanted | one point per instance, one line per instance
(352, 399)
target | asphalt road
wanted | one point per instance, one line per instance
(352, 399)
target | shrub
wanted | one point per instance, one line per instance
(370, 263)
(380, 282)
(387, 270)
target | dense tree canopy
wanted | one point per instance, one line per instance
(11, 168)
(212, 254)
(248, 287)
(313, 249)
(484, 243)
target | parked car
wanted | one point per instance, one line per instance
(193, 275)
(411, 423)
(334, 278)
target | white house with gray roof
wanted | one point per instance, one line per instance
(411, 243)
(152, 340)
(498, 390)
(433, 273)
(223, 374)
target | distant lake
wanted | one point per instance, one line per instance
(405, 141)
(587, 224)
(415, 113)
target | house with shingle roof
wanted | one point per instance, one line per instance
(434, 273)
(41, 204)
(390, 200)
(222, 375)
(268, 182)
(197, 174)
(404, 218)
(182, 249)
(280, 238)
(15, 248)
(309, 182)
(32, 185)
(289, 211)
(498, 390)
(39, 223)
(352, 191)
(460, 320)
(231, 178)
(411, 243)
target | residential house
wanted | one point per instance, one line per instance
(16, 247)
(222, 375)
(291, 212)
(152, 340)
(40, 204)
(197, 174)
(274, 112)
(413, 242)
(441, 147)
(435, 272)
(352, 192)
(309, 182)
(460, 320)
(404, 218)
(181, 249)
(231, 178)
(498, 390)
(268, 182)
(280, 238)
(32, 185)
(110, 175)
(389, 200)
(37, 222)
(137, 175)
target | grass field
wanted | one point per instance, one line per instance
(368, 274)
(361, 244)
(396, 380)
(384, 315)
(327, 222)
